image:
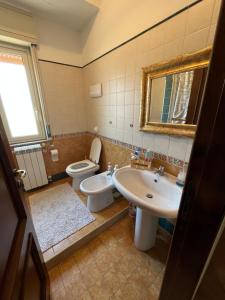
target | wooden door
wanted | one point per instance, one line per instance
(202, 206)
(212, 283)
(23, 274)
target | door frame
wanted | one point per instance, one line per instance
(202, 207)
(12, 264)
(32, 251)
(24, 233)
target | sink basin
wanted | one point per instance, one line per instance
(144, 188)
(155, 196)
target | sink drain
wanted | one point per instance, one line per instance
(149, 196)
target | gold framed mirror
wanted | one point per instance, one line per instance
(172, 93)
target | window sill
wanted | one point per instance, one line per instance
(12, 145)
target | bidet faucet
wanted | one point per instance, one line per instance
(160, 171)
(111, 169)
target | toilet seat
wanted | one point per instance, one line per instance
(83, 169)
(81, 166)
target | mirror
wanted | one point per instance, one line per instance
(176, 98)
(172, 93)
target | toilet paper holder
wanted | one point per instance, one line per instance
(54, 154)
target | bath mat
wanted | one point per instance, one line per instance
(57, 213)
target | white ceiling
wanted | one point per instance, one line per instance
(73, 13)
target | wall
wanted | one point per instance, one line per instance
(22, 26)
(71, 147)
(118, 21)
(69, 109)
(116, 113)
(115, 23)
(67, 49)
(15, 23)
(63, 92)
(65, 107)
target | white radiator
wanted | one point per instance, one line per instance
(30, 158)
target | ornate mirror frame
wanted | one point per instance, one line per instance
(182, 63)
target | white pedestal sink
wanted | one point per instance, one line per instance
(145, 229)
(154, 196)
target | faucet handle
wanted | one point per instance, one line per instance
(161, 170)
(109, 166)
(133, 156)
(116, 167)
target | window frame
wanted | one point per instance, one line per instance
(34, 87)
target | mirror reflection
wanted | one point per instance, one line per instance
(176, 98)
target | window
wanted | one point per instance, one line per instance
(20, 106)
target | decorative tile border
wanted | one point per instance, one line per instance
(170, 160)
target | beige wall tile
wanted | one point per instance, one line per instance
(178, 147)
(176, 27)
(116, 113)
(187, 32)
(196, 40)
(174, 48)
(199, 16)
(157, 36)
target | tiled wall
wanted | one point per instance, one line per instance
(71, 147)
(65, 107)
(119, 153)
(116, 113)
(76, 147)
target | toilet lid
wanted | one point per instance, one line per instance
(95, 152)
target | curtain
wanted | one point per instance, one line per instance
(180, 96)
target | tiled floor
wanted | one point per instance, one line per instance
(100, 218)
(110, 267)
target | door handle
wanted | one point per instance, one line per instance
(20, 174)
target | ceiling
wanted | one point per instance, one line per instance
(73, 13)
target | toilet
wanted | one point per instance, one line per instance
(98, 188)
(85, 168)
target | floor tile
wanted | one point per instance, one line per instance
(110, 267)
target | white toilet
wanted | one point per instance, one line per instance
(83, 169)
(99, 191)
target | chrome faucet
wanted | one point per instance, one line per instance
(111, 169)
(160, 171)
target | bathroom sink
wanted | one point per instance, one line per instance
(144, 188)
(155, 196)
